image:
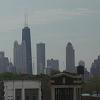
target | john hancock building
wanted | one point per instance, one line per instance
(27, 38)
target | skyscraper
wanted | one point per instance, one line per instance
(4, 62)
(40, 58)
(52, 65)
(70, 58)
(20, 57)
(95, 67)
(27, 38)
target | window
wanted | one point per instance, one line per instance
(18, 94)
(31, 94)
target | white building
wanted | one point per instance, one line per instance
(20, 57)
(70, 58)
(22, 90)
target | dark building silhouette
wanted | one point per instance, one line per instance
(82, 70)
(40, 58)
(27, 38)
(81, 67)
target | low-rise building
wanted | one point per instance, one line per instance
(66, 86)
(22, 90)
(61, 86)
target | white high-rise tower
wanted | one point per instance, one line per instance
(70, 58)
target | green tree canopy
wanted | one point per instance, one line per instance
(92, 85)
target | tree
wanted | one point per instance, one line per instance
(53, 72)
(92, 85)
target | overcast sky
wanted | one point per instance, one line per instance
(54, 22)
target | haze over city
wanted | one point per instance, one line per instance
(54, 22)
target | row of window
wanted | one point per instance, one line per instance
(64, 93)
(29, 94)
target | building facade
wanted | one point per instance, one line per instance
(22, 90)
(27, 38)
(61, 86)
(70, 58)
(40, 58)
(20, 61)
(66, 86)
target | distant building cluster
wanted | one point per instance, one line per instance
(49, 83)
(22, 53)
(22, 59)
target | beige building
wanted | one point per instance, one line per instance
(22, 90)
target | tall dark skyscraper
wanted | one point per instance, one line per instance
(27, 38)
(40, 58)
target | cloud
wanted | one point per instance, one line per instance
(51, 15)
(85, 11)
(44, 17)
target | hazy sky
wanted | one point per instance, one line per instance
(54, 22)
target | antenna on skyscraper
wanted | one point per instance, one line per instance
(26, 20)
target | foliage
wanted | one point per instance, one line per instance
(53, 72)
(92, 85)
(14, 76)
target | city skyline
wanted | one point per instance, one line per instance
(54, 23)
